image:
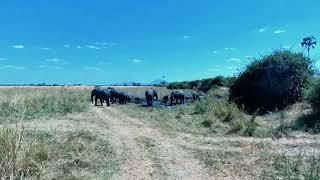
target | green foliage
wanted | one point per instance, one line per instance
(275, 81)
(311, 121)
(301, 166)
(313, 94)
(251, 126)
(203, 85)
(214, 111)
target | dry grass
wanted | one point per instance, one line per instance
(28, 103)
(40, 154)
(76, 153)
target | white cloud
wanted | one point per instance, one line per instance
(279, 31)
(285, 47)
(106, 44)
(46, 49)
(186, 37)
(93, 68)
(232, 67)
(261, 30)
(50, 67)
(136, 61)
(19, 46)
(93, 47)
(249, 57)
(229, 49)
(79, 47)
(12, 67)
(3, 59)
(55, 60)
(234, 60)
(215, 52)
(67, 46)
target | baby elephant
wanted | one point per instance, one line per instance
(165, 99)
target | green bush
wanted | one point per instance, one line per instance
(313, 95)
(275, 81)
(203, 85)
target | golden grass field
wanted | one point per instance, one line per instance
(56, 133)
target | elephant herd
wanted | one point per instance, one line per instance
(111, 95)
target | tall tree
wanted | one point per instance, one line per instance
(308, 43)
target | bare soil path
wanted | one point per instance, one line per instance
(149, 153)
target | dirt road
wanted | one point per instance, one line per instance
(145, 151)
(148, 153)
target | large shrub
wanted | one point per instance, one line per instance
(208, 84)
(313, 95)
(275, 81)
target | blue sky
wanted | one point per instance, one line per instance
(103, 41)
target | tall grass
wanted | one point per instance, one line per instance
(20, 157)
(45, 155)
(26, 103)
(216, 109)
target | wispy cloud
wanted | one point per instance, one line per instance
(18, 46)
(93, 47)
(46, 49)
(186, 37)
(67, 46)
(234, 60)
(12, 67)
(54, 60)
(285, 47)
(106, 44)
(261, 30)
(279, 31)
(51, 67)
(79, 47)
(229, 49)
(93, 68)
(3, 59)
(135, 60)
(232, 67)
(104, 63)
(215, 52)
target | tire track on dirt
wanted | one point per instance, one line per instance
(175, 160)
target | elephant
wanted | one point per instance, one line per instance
(102, 95)
(151, 95)
(165, 99)
(123, 97)
(113, 94)
(195, 96)
(177, 95)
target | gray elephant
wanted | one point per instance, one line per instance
(151, 95)
(177, 96)
(195, 96)
(165, 99)
(123, 97)
(102, 95)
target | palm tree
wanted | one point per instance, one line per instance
(308, 43)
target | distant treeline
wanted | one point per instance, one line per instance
(203, 85)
